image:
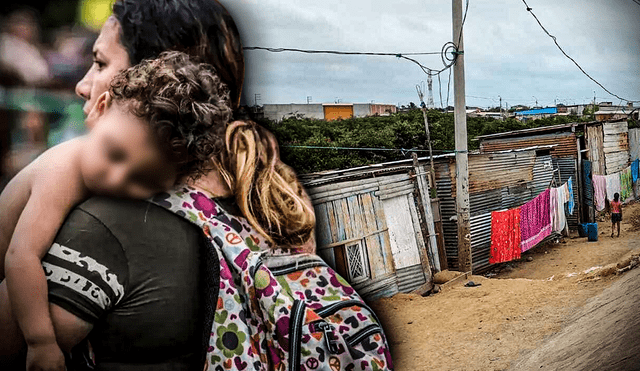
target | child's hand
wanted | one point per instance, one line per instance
(45, 357)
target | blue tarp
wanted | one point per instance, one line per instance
(537, 111)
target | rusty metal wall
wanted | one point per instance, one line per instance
(480, 226)
(447, 211)
(615, 146)
(514, 193)
(634, 144)
(488, 171)
(566, 143)
(542, 173)
(410, 278)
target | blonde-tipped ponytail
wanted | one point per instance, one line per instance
(267, 191)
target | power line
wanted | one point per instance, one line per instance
(311, 51)
(425, 69)
(636, 1)
(448, 55)
(566, 55)
(363, 148)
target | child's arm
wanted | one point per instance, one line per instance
(55, 190)
(12, 201)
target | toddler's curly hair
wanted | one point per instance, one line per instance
(186, 104)
(189, 109)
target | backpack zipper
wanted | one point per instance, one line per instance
(290, 268)
(295, 334)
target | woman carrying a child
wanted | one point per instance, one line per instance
(235, 162)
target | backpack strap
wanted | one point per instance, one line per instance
(250, 299)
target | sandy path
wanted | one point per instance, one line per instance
(604, 335)
(490, 326)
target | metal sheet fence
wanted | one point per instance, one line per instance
(482, 204)
(634, 144)
(568, 169)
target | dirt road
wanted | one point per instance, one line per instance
(490, 327)
(604, 335)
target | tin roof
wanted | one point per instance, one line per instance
(542, 129)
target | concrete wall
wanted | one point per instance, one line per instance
(277, 112)
(361, 109)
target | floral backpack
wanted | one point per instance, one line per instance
(276, 310)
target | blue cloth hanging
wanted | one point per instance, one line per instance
(635, 169)
(570, 200)
(588, 182)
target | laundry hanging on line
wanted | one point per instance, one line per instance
(599, 191)
(570, 203)
(505, 236)
(613, 185)
(535, 221)
(626, 184)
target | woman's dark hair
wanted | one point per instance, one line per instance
(616, 197)
(186, 105)
(201, 28)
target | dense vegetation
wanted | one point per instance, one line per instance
(400, 131)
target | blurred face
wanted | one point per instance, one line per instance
(120, 157)
(109, 58)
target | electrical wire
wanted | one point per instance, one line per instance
(448, 54)
(440, 90)
(636, 1)
(448, 84)
(425, 69)
(529, 9)
(311, 51)
(361, 148)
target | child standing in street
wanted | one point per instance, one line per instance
(616, 213)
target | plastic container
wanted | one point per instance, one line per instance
(582, 230)
(592, 231)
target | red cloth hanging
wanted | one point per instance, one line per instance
(505, 236)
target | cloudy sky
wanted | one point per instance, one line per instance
(507, 54)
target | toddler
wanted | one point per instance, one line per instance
(160, 122)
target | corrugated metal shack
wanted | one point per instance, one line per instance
(376, 209)
(608, 146)
(634, 144)
(497, 181)
(565, 155)
(372, 228)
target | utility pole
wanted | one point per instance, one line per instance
(462, 166)
(500, 105)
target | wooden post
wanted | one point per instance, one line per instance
(462, 166)
(423, 188)
(577, 184)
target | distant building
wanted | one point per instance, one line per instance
(608, 112)
(495, 115)
(326, 111)
(536, 113)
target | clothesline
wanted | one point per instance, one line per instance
(606, 186)
(515, 231)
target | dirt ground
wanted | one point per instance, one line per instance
(517, 306)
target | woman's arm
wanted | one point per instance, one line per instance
(52, 197)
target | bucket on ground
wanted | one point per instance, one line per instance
(582, 230)
(592, 231)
